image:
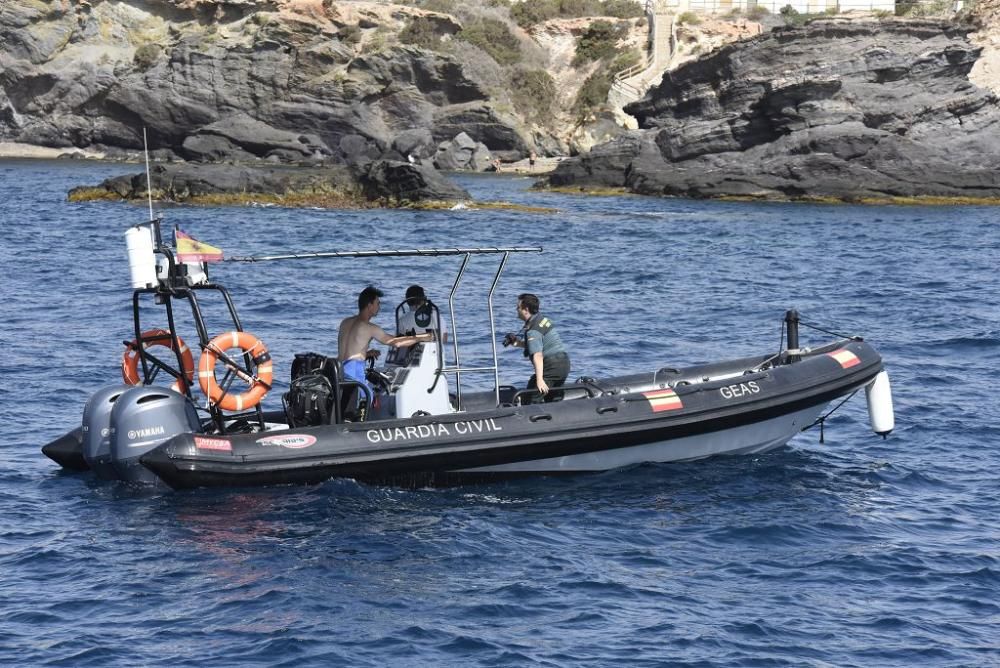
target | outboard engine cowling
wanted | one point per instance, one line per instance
(143, 418)
(97, 430)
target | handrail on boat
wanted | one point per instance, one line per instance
(413, 252)
(466, 254)
(592, 390)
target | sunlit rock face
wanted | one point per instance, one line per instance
(213, 81)
(837, 108)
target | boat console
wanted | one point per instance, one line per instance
(412, 382)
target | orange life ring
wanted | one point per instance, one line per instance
(259, 384)
(157, 337)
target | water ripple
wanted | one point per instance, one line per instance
(856, 551)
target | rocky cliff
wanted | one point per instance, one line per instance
(288, 80)
(297, 80)
(836, 108)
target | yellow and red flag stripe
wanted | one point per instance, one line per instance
(663, 400)
(190, 249)
(846, 358)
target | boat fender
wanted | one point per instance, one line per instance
(142, 419)
(157, 337)
(97, 430)
(879, 395)
(260, 384)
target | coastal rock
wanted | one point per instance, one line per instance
(391, 181)
(836, 108)
(462, 153)
(285, 80)
(240, 135)
(380, 182)
(419, 143)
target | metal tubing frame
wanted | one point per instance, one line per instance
(454, 328)
(168, 294)
(493, 328)
(428, 252)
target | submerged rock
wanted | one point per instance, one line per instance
(835, 109)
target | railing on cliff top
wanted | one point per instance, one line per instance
(619, 78)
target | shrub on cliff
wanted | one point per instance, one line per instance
(442, 6)
(532, 92)
(593, 93)
(493, 37)
(532, 12)
(420, 32)
(598, 42)
(146, 56)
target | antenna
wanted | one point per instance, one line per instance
(149, 185)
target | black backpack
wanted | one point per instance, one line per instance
(307, 362)
(309, 400)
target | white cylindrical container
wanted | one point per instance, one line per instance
(141, 260)
(880, 412)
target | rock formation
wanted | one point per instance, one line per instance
(285, 81)
(374, 183)
(837, 108)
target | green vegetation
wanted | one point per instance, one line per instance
(533, 92)
(532, 12)
(593, 93)
(493, 37)
(689, 18)
(599, 42)
(442, 6)
(146, 56)
(920, 8)
(625, 60)
(420, 32)
(793, 17)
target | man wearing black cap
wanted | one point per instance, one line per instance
(421, 316)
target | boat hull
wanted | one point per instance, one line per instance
(749, 439)
(670, 415)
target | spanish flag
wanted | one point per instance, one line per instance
(190, 249)
(663, 400)
(846, 358)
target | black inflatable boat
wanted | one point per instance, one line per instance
(418, 427)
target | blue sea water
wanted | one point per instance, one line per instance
(856, 551)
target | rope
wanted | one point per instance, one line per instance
(781, 347)
(826, 331)
(821, 419)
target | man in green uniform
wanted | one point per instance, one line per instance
(543, 347)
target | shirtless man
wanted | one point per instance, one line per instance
(357, 331)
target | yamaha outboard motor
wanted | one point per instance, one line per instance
(143, 418)
(97, 430)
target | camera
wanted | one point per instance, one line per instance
(509, 339)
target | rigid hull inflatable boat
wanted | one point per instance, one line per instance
(418, 427)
